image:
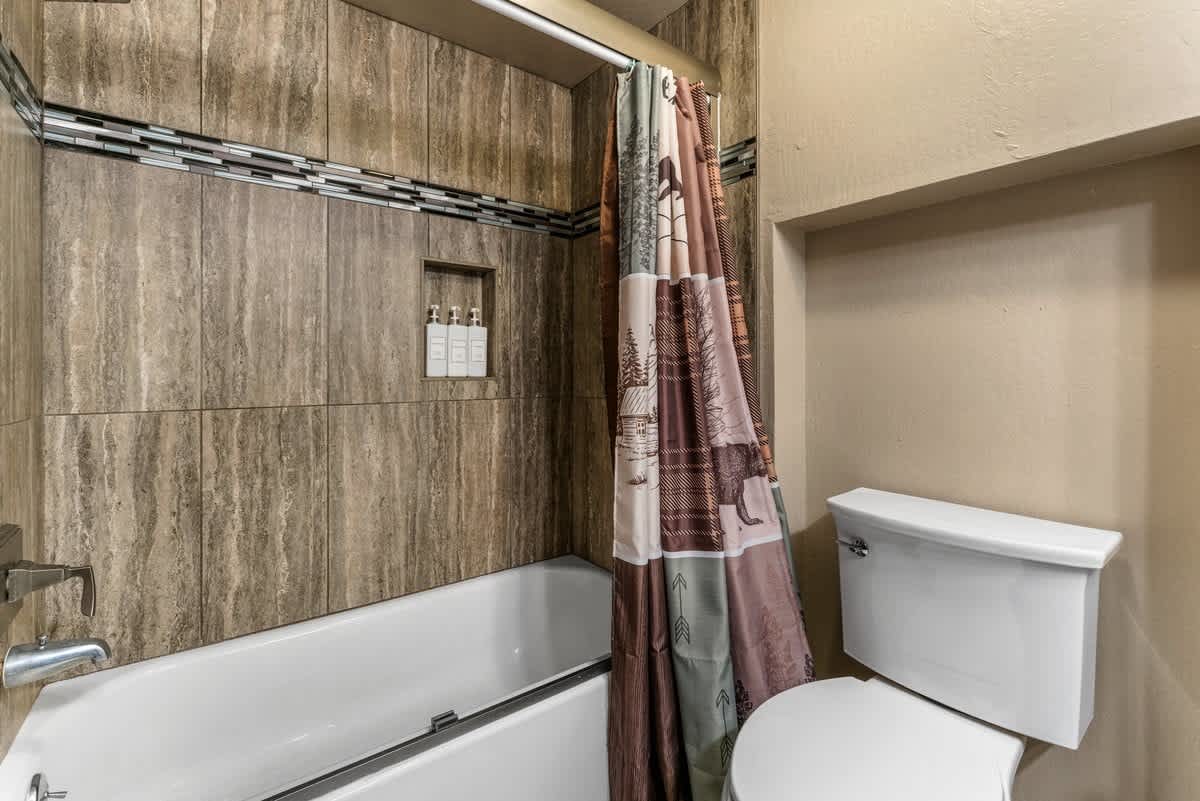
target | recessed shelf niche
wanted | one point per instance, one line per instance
(462, 284)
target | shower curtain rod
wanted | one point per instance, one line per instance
(604, 35)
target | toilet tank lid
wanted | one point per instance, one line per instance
(983, 530)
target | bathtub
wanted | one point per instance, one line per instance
(341, 707)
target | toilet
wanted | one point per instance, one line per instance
(981, 628)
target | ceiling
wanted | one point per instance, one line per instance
(475, 27)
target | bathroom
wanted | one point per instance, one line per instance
(321, 567)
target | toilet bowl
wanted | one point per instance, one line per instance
(982, 628)
(849, 740)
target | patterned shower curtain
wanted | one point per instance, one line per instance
(706, 620)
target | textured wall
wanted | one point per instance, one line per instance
(864, 99)
(238, 434)
(20, 332)
(723, 33)
(1035, 350)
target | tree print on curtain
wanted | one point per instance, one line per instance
(706, 619)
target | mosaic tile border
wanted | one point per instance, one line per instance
(157, 146)
(166, 147)
(21, 91)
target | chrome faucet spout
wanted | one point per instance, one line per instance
(30, 662)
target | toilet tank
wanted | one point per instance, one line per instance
(989, 613)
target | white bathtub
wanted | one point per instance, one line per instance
(252, 717)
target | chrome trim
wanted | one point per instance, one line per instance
(39, 789)
(317, 788)
(447, 718)
(21, 578)
(30, 662)
(857, 546)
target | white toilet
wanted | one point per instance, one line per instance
(984, 625)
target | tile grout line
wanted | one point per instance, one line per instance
(328, 389)
(349, 404)
(200, 373)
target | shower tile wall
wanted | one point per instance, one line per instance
(467, 142)
(264, 73)
(238, 434)
(723, 33)
(122, 333)
(21, 27)
(20, 330)
(378, 83)
(139, 60)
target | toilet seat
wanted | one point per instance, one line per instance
(849, 740)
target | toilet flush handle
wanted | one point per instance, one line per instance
(856, 546)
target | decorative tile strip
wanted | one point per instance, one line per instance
(737, 163)
(21, 91)
(177, 150)
(204, 155)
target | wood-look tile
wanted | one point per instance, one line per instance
(264, 296)
(592, 106)
(448, 289)
(139, 60)
(375, 460)
(456, 240)
(539, 311)
(586, 343)
(376, 335)
(468, 242)
(723, 33)
(20, 268)
(491, 457)
(378, 92)
(542, 530)
(265, 519)
(591, 482)
(433, 550)
(673, 29)
(21, 29)
(20, 474)
(468, 119)
(264, 80)
(742, 205)
(541, 142)
(122, 286)
(122, 493)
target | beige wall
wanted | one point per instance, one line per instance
(866, 99)
(1035, 350)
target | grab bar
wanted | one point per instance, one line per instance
(317, 788)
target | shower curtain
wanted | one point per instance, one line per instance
(706, 619)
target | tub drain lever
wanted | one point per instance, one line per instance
(439, 722)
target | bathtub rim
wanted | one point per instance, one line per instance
(57, 698)
(72, 685)
(319, 787)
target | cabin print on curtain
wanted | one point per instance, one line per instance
(637, 409)
(706, 618)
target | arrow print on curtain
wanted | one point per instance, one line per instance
(726, 743)
(683, 631)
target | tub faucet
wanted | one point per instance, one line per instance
(24, 577)
(24, 664)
